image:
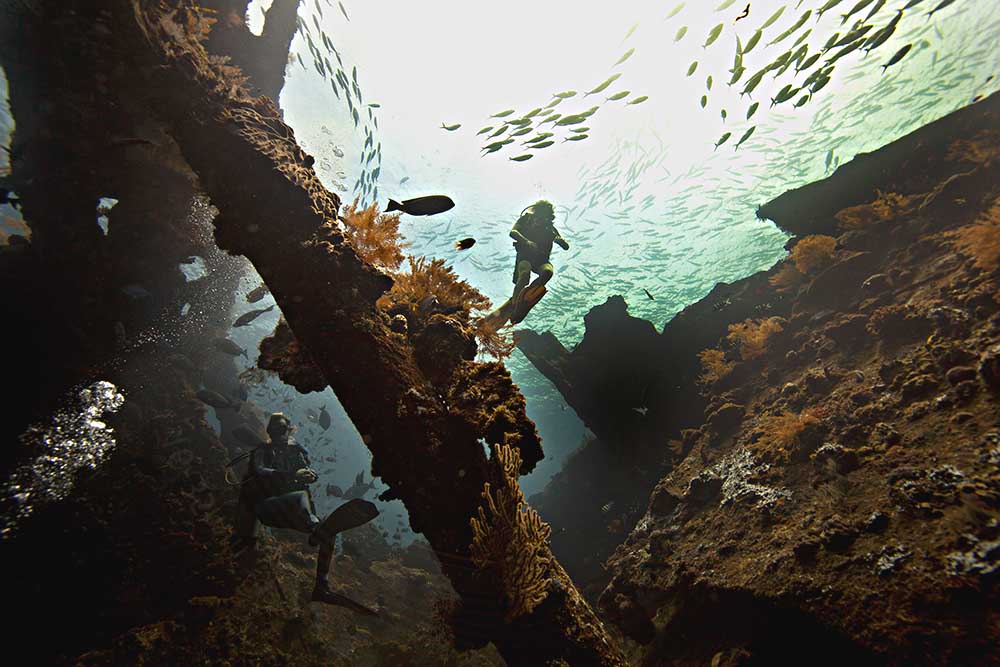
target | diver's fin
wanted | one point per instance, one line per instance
(325, 594)
(351, 514)
(526, 301)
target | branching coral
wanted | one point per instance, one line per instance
(887, 205)
(783, 433)
(509, 537)
(714, 366)
(981, 239)
(752, 335)
(498, 343)
(374, 236)
(813, 253)
(431, 278)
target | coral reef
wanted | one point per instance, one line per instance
(508, 537)
(751, 336)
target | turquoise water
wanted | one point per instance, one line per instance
(647, 201)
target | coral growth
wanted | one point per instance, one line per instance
(783, 433)
(498, 343)
(714, 365)
(373, 235)
(981, 240)
(786, 278)
(887, 205)
(752, 335)
(981, 149)
(813, 253)
(509, 537)
(431, 278)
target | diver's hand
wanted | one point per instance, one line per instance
(306, 475)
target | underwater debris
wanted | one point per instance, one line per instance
(509, 537)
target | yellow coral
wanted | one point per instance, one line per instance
(509, 538)
(887, 205)
(714, 366)
(374, 236)
(813, 253)
(981, 240)
(752, 335)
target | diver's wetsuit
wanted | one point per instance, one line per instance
(273, 496)
(543, 234)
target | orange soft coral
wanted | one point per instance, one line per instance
(752, 335)
(981, 239)
(887, 205)
(374, 236)
(813, 253)
(714, 366)
(428, 278)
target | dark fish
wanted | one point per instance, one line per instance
(897, 57)
(429, 205)
(324, 418)
(334, 490)
(228, 347)
(209, 397)
(746, 13)
(248, 317)
(257, 293)
(465, 244)
(648, 294)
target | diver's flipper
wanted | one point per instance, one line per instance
(351, 514)
(526, 301)
(324, 594)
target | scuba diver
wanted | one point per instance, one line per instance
(275, 493)
(533, 235)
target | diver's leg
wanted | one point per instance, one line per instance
(545, 272)
(323, 560)
(247, 525)
(523, 275)
(290, 510)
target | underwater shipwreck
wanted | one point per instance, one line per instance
(745, 412)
